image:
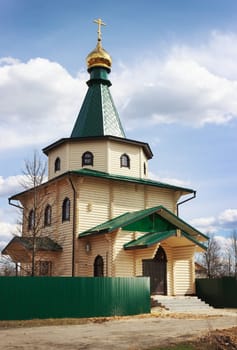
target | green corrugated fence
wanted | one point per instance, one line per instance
(218, 292)
(24, 298)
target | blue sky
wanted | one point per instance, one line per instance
(174, 79)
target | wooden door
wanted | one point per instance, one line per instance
(156, 270)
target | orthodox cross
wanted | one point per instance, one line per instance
(100, 23)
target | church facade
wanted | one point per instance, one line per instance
(99, 214)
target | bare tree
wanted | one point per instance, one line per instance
(230, 256)
(34, 171)
(227, 269)
(234, 251)
(7, 267)
(212, 258)
(33, 213)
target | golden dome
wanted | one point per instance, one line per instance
(99, 58)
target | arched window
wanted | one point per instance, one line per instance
(47, 215)
(57, 164)
(99, 266)
(144, 168)
(87, 159)
(66, 210)
(124, 161)
(31, 220)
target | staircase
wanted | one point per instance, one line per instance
(180, 303)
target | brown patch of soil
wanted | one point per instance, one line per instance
(225, 339)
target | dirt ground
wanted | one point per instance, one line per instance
(131, 333)
(225, 339)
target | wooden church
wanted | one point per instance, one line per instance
(99, 214)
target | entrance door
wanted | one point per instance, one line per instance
(156, 270)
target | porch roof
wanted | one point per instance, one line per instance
(158, 223)
(20, 248)
(151, 238)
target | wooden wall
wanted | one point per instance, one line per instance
(99, 200)
(106, 153)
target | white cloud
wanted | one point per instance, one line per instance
(224, 242)
(204, 221)
(10, 185)
(205, 224)
(39, 101)
(228, 216)
(7, 231)
(225, 222)
(8, 60)
(218, 54)
(169, 180)
(191, 86)
(195, 86)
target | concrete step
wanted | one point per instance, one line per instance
(180, 303)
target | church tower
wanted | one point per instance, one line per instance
(98, 141)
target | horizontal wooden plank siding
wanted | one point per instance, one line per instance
(124, 264)
(183, 270)
(59, 152)
(64, 230)
(134, 198)
(61, 297)
(85, 260)
(94, 203)
(132, 151)
(160, 196)
(170, 275)
(97, 148)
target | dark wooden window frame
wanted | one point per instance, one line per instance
(124, 161)
(57, 164)
(66, 209)
(87, 159)
(48, 215)
(31, 219)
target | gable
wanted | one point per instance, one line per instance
(158, 223)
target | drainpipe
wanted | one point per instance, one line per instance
(73, 226)
(14, 205)
(184, 201)
(19, 207)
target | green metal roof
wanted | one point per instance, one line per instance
(149, 239)
(98, 115)
(104, 175)
(142, 220)
(191, 238)
(155, 220)
(156, 237)
(42, 244)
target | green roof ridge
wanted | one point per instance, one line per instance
(144, 181)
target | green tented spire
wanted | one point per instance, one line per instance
(98, 115)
